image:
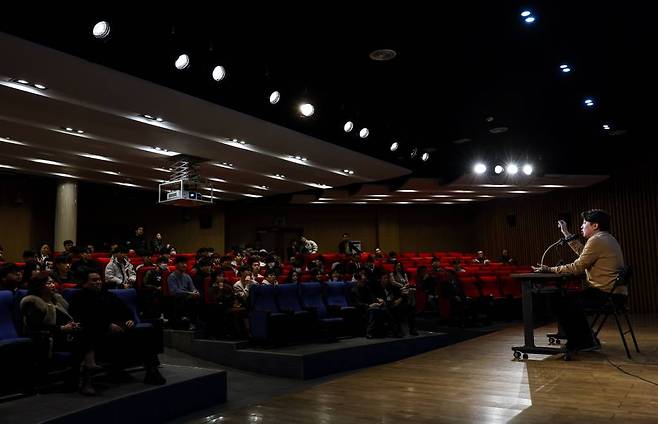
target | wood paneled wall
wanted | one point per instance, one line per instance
(630, 197)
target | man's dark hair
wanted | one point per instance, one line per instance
(8, 267)
(162, 260)
(597, 216)
(215, 274)
(121, 249)
(181, 259)
(62, 259)
(271, 272)
(204, 262)
(68, 242)
(243, 268)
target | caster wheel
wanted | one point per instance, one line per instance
(558, 341)
(525, 356)
(551, 340)
(567, 356)
(517, 354)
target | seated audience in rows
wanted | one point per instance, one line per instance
(347, 246)
(298, 264)
(137, 242)
(397, 307)
(150, 293)
(68, 245)
(273, 263)
(255, 270)
(436, 265)
(270, 278)
(84, 265)
(457, 265)
(370, 263)
(309, 247)
(293, 277)
(505, 258)
(429, 285)
(146, 260)
(114, 335)
(203, 269)
(90, 248)
(379, 254)
(241, 287)
(10, 276)
(185, 294)
(226, 315)
(47, 321)
(45, 256)
(481, 259)
(157, 244)
(226, 264)
(335, 276)
(392, 257)
(119, 272)
(61, 272)
(398, 275)
(361, 298)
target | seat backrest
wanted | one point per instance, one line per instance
(18, 316)
(7, 328)
(623, 278)
(68, 294)
(129, 298)
(336, 293)
(140, 275)
(312, 298)
(288, 297)
(263, 297)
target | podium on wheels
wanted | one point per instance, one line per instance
(531, 284)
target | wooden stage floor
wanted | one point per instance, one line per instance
(477, 381)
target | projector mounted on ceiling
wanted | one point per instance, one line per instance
(185, 187)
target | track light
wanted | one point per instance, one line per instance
(101, 30)
(275, 97)
(182, 62)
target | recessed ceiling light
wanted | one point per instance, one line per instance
(498, 169)
(440, 195)
(101, 29)
(68, 129)
(382, 55)
(97, 157)
(40, 86)
(402, 203)
(59, 174)
(407, 191)
(22, 81)
(360, 203)
(349, 126)
(159, 119)
(281, 176)
(182, 62)
(324, 199)
(7, 166)
(79, 131)
(275, 97)
(518, 191)
(463, 191)
(364, 133)
(159, 151)
(110, 172)
(496, 185)
(485, 196)
(465, 200)
(480, 168)
(378, 195)
(319, 203)
(530, 19)
(446, 203)
(162, 169)
(47, 162)
(526, 13)
(589, 102)
(251, 195)
(10, 141)
(217, 180)
(565, 68)
(394, 146)
(425, 157)
(125, 184)
(552, 186)
(348, 171)
(306, 109)
(421, 200)
(218, 73)
(527, 169)
(606, 126)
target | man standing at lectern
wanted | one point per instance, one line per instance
(601, 260)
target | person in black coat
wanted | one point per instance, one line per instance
(118, 338)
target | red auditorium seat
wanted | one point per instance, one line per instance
(97, 255)
(388, 267)
(306, 278)
(469, 285)
(425, 254)
(103, 261)
(490, 286)
(441, 254)
(409, 254)
(511, 287)
(282, 278)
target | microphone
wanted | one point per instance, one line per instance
(563, 240)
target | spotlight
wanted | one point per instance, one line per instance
(159, 119)
(394, 146)
(425, 157)
(365, 132)
(480, 168)
(218, 73)
(525, 13)
(589, 102)
(182, 62)
(530, 19)
(101, 30)
(414, 153)
(606, 126)
(565, 68)
(498, 169)
(527, 169)
(512, 169)
(275, 97)
(307, 109)
(349, 126)
(40, 86)
(22, 81)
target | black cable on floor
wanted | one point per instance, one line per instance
(628, 373)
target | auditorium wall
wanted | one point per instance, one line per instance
(632, 199)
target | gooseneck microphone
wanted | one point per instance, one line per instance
(563, 240)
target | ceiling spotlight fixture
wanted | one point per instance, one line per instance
(530, 19)
(606, 127)
(159, 119)
(589, 102)
(229, 164)
(22, 81)
(394, 146)
(565, 68)
(110, 172)
(101, 30)
(365, 132)
(40, 86)
(480, 168)
(218, 73)
(414, 153)
(348, 171)
(382, 55)
(349, 126)
(425, 157)
(498, 169)
(512, 169)
(306, 109)
(526, 13)
(182, 62)
(298, 157)
(79, 131)
(280, 176)
(72, 130)
(275, 97)
(47, 162)
(527, 169)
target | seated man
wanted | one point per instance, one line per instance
(10, 276)
(116, 337)
(186, 296)
(397, 307)
(271, 279)
(86, 264)
(601, 260)
(225, 313)
(150, 293)
(62, 271)
(146, 260)
(505, 258)
(119, 272)
(481, 259)
(361, 298)
(203, 268)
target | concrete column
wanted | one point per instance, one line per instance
(66, 214)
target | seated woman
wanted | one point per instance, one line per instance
(47, 321)
(225, 312)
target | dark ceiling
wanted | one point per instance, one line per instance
(457, 64)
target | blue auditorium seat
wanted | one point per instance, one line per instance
(312, 300)
(15, 352)
(288, 298)
(266, 322)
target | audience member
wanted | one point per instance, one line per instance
(293, 277)
(457, 265)
(186, 296)
(138, 241)
(157, 244)
(146, 260)
(150, 293)
(68, 244)
(429, 285)
(61, 273)
(481, 259)
(366, 305)
(347, 246)
(45, 257)
(241, 287)
(202, 268)
(436, 265)
(29, 255)
(505, 258)
(86, 264)
(308, 246)
(90, 248)
(255, 270)
(225, 308)
(392, 257)
(271, 279)
(379, 254)
(10, 276)
(398, 275)
(30, 270)
(119, 272)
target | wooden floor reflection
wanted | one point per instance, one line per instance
(478, 381)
